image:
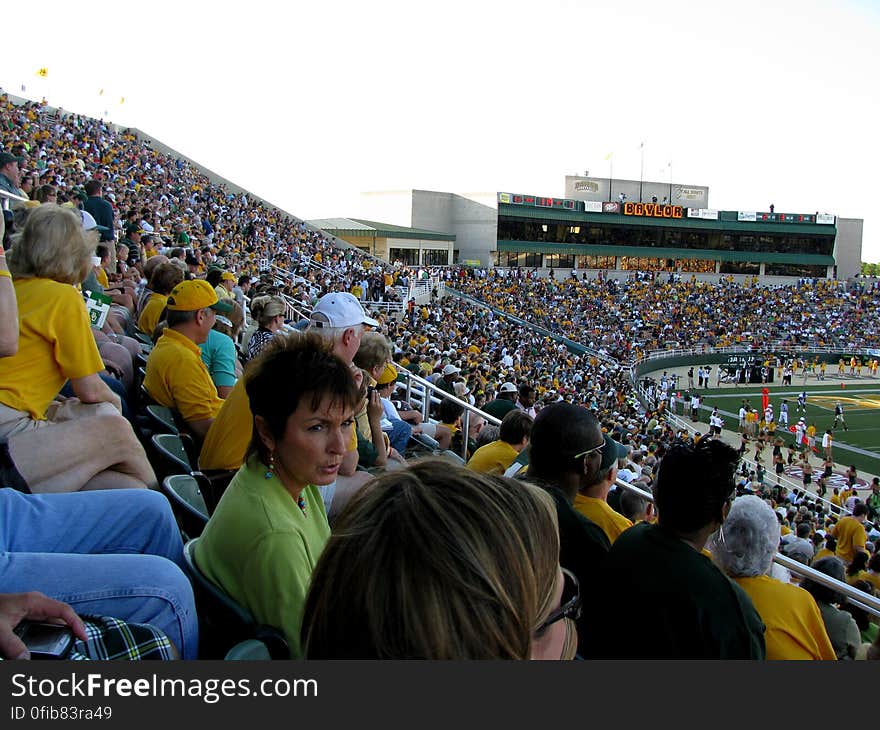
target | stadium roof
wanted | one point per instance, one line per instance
(583, 249)
(356, 227)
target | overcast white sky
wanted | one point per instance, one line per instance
(764, 102)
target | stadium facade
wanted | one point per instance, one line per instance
(621, 226)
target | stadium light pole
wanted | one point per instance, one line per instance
(641, 169)
(610, 178)
(670, 183)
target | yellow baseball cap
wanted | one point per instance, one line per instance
(389, 375)
(188, 296)
(227, 276)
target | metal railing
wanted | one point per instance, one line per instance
(389, 307)
(743, 349)
(423, 394)
(277, 271)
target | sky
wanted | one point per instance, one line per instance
(309, 105)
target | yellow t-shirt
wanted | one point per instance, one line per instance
(823, 553)
(861, 575)
(55, 343)
(794, 626)
(851, 535)
(493, 458)
(600, 512)
(101, 276)
(178, 378)
(152, 313)
(227, 440)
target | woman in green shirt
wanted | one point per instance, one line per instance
(269, 529)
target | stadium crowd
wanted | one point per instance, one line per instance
(319, 472)
(627, 317)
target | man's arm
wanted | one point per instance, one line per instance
(91, 389)
(200, 428)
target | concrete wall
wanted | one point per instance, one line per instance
(848, 247)
(471, 217)
(600, 189)
(475, 225)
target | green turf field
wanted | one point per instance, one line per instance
(861, 408)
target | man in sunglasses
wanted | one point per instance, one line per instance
(659, 595)
(565, 447)
(592, 497)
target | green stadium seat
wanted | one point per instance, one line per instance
(223, 622)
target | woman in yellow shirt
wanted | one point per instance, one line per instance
(857, 569)
(82, 442)
(744, 547)
(164, 278)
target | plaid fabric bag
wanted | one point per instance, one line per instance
(110, 638)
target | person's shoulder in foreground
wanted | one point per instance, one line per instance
(659, 595)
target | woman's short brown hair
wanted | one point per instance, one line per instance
(434, 562)
(52, 245)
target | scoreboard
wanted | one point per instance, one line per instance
(785, 218)
(536, 201)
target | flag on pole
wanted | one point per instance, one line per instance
(608, 156)
(43, 72)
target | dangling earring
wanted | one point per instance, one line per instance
(270, 469)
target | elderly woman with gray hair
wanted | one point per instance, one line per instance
(743, 548)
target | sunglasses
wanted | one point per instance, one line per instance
(594, 450)
(570, 606)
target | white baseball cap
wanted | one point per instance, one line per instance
(339, 309)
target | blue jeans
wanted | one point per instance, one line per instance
(107, 552)
(399, 435)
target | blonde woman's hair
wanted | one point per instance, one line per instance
(52, 245)
(374, 350)
(265, 308)
(434, 562)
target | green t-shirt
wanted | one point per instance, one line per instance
(260, 548)
(658, 598)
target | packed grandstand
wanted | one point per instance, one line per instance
(197, 296)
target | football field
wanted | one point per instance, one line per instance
(858, 444)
